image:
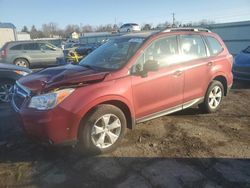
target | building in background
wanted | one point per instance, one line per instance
(7, 33)
(236, 35)
(23, 36)
(75, 35)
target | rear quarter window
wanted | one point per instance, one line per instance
(16, 47)
(215, 46)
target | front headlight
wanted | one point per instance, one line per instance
(23, 73)
(49, 100)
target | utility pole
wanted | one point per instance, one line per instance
(173, 14)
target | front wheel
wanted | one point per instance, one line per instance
(102, 130)
(213, 97)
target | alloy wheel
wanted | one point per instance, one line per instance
(21, 63)
(5, 91)
(215, 97)
(106, 131)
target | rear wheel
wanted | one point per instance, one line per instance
(102, 130)
(22, 62)
(5, 90)
(213, 97)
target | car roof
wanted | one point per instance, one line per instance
(144, 34)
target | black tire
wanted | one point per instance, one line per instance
(22, 62)
(128, 30)
(3, 85)
(206, 105)
(86, 140)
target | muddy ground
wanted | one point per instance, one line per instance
(185, 149)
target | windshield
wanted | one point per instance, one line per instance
(114, 54)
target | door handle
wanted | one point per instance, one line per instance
(209, 64)
(178, 73)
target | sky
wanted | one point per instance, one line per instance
(96, 12)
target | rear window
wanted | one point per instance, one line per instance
(16, 47)
(214, 45)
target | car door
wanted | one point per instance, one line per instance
(196, 65)
(159, 92)
(49, 54)
(32, 51)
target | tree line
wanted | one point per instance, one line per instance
(50, 30)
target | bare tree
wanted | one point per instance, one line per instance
(50, 29)
(70, 29)
(87, 29)
(104, 28)
(146, 27)
(34, 33)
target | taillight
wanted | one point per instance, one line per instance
(3, 53)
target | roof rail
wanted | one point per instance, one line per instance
(187, 29)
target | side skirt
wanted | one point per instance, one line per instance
(170, 110)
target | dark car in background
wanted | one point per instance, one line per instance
(241, 66)
(30, 53)
(8, 76)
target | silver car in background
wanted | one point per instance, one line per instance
(129, 27)
(30, 54)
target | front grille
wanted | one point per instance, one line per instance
(20, 94)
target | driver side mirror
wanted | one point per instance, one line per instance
(149, 66)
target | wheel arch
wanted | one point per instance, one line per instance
(222, 78)
(122, 105)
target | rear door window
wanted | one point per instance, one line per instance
(192, 47)
(31, 46)
(214, 45)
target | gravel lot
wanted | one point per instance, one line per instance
(185, 149)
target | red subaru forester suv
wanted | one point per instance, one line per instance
(130, 79)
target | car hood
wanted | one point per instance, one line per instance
(4, 66)
(60, 77)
